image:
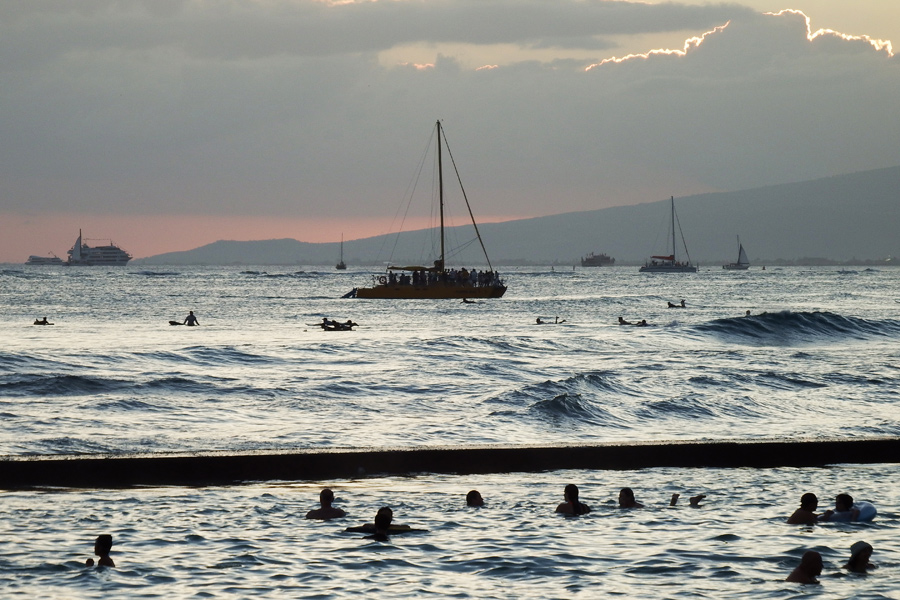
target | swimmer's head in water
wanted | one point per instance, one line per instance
(103, 544)
(326, 497)
(474, 498)
(843, 502)
(571, 493)
(809, 501)
(626, 496)
(383, 519)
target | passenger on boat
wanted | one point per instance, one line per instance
(327, 511)
(805, 515)
(809, 568)
(191, 320)
(572, 506)
(102, 547)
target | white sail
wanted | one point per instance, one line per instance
(742, 257)
(76, 249)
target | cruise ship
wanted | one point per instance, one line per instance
(83, 255)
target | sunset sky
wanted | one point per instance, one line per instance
(168, 124)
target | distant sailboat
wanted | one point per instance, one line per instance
(341, 266)
(743, 263)
(670, 264)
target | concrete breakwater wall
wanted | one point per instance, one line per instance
(226, 468)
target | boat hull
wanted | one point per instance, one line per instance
(668, 269)
(434, 291)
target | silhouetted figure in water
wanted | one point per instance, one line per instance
(191, 320)
(327, 511)
(474, 498)
(572, 506)
(43, 321)
(102, 546)
(624, 322)
(860, 553)
(382, 525)
(677, 305)
(806, 514)
(809, 568)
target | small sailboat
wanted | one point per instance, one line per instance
(341, 265)
(670, 263)
(743, 263)
(438, 281)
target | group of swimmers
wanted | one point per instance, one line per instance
(382, 527)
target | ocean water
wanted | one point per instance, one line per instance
(818, 356)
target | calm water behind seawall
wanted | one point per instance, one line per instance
(818, 356)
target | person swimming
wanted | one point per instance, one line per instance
(383, 519)
(809, 568)
(843, 503)
(102, 547)
(572, 506)
(860, 553)
(473, 498)
(805, 515)
(627, 500)
(327, 511)
(624, 322)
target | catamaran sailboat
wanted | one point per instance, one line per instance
(438, 281)
(670, 263)
(743, 263)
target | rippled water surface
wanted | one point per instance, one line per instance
(818, 356)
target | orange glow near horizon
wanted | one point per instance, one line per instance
(143, 236)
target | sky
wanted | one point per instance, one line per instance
(165, 125)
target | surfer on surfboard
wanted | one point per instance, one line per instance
(191, 320)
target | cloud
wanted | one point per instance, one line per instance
(286, 108)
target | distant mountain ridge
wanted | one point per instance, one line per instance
(844, 217)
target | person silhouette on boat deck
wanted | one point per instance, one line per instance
(473, 498)
(572, 506)
(327, 511)
(191, 320)
(102, 547)
(624, 322)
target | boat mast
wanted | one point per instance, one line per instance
(440, 190)
(673, 228)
